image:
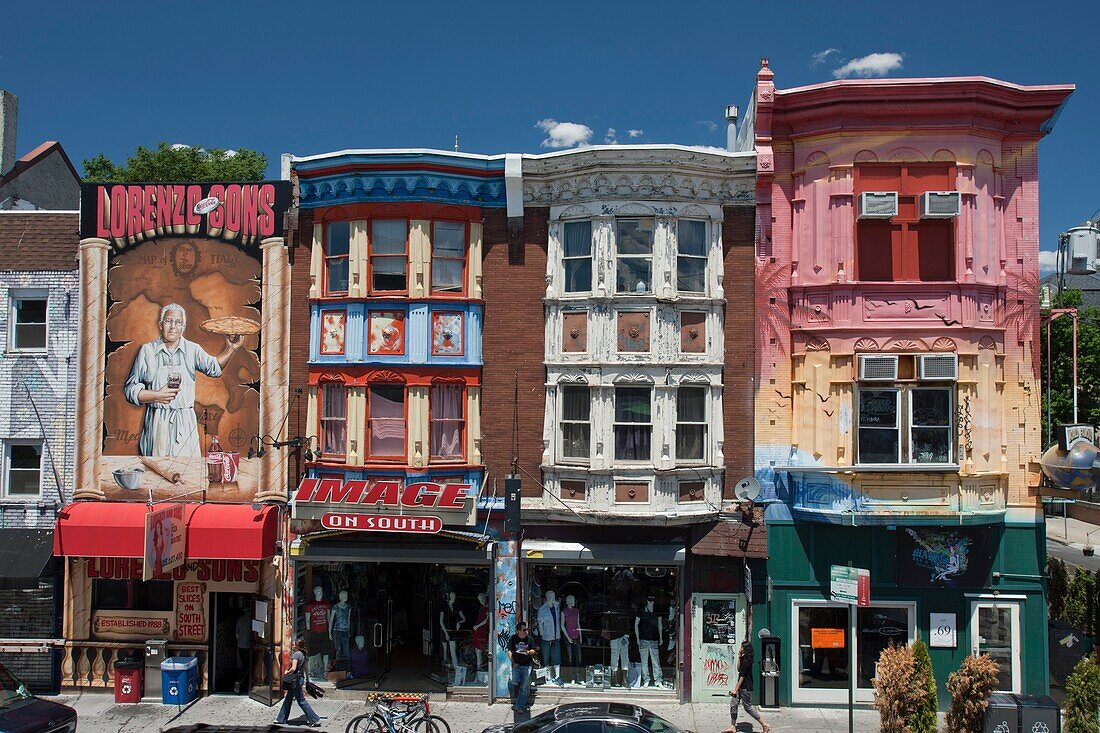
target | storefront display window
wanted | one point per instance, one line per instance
(132, 595)
(823, 647)
(605, 626)
(877, 628)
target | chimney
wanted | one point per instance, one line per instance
(731, 127)
(9, 122)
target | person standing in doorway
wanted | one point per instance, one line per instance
(295, 688)
(244, 652)
(520, 652)
(741, 694)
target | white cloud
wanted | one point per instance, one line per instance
(635, 133)
(873, 64)
(711, 125)
(822, 56)
(1048, 262)
(564, 134)
(610, 138)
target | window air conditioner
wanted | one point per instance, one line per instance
(878, 204)
(939, 367)
(878, 368)
(939, 204)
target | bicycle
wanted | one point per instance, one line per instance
(398, 714)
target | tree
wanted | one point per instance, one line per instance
(970, 687)
(1057, 585)
(1096, 613)
(178, 163)
(1083, 697)
(1081, 600)
(924, 719)
(1061, 361)
(899, 691)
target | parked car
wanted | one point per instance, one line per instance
(22, 712)
(592, 717)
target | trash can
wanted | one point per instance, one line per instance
(156, 651)
(1039, 713)
(1002, 715)
(128, 679)
(179, 679)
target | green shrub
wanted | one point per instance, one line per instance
(924, 719)
(1057, 586)
(1083, 697)
(898, 694)
(970, 687)
(1081, 600)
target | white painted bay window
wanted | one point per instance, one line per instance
(577, 256)
(691, 256)
(634, 256)
(575, 422)
(691, 424)
(633, 423)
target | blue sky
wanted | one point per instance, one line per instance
(315, 76)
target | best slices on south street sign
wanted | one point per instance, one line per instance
(850, 585)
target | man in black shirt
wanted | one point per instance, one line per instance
(741, 694)
(520, 651)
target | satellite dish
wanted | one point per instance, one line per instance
(747, 489)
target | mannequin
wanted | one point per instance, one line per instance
(450, 620)
(549, 622)
(649, 630)
(359, 659)
(480, 640)
(339, 624)
(670, 657)
(615, 629)
(317, 629)
(571, 638)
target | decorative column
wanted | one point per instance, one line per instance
(274, 366)
(91, 367)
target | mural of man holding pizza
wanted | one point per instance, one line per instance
(162, 380)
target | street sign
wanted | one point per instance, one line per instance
(850, 585)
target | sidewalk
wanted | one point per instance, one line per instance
(99, 714)
(1072, 532)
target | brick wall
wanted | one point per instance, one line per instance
(738, 230)
(513, 342)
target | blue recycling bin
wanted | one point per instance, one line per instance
(179, 677)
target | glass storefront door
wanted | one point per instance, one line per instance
(995, 630)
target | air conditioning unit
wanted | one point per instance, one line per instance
(878, 204)
(938, 367)
(939, 204)
(878, 368)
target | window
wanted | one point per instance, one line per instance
(24, 468)
(691, 423)
(905, 247)
(634, 256)
(995, 630)
(633, 423)
(577, 256)
(334, 420)
(132, 595)
(389, 258)
(448, 257)
(576, 426)
(28, 319)
(876, 628)
(337, 249)
(906, 425)
(691, 258)
(447, 406)
(386, 424)
(823, 646)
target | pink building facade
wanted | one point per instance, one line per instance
(898, 423)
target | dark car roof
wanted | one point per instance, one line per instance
(574, 710)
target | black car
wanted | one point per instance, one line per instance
(592, 717)
(22, 712)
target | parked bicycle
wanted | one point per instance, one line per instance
(398, 714)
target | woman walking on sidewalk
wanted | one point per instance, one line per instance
(294, 682)
(741, 694)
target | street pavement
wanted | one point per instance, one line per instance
(99, 714)
(1066, 538)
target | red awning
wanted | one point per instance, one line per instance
(214, 531)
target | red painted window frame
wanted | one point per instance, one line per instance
(370, 254)
(461, 293)
(371, 457)
(325, 456)
(328, 258)
(462, 386)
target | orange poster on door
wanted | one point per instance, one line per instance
(827, 638)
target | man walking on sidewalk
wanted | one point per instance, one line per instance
(520, 651)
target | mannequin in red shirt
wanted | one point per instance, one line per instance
(319, 644)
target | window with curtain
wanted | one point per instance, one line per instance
(448, 256)
(634, 256)
(386, 421)
(906, 425)
(389, 255)
(576, 425)
(691, 423)
(334, 420)
(691, 256)
(337, 248)
(446, 404)
(633, 423)
(577, 256)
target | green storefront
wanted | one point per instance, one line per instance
(981, 580)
